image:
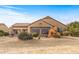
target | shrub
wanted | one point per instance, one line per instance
(57, 35)
(6, 33)
(25, 36)
(35, 34)
(1, 33)
(66, 33)
(76, 34)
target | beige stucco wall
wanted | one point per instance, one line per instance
(43, 24)
(39, 23)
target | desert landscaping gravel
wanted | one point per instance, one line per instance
(43, 46)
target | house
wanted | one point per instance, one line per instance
(3, 27)
(19, 27)
(40, 26)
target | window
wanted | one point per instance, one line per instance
(37, 30)
(45, 30)
(59, 29)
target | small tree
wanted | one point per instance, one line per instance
(73, 28)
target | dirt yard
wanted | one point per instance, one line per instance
(42, 46)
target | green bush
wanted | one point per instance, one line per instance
(73, 28)
(76, 34)
(6, 33)
(25, 36)
(35, 34)
(66, 33)
(1, 33)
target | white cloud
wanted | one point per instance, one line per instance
(10, 7)
(9, 16)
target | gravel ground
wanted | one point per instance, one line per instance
(43, 46)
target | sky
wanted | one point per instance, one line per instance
(10, 14)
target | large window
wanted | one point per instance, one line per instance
(40, 30)
(37, 30)
(44, 30)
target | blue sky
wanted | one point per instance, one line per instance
(10, 14)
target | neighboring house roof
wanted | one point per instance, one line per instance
(3, 27)
(20, 24)
(2, 24)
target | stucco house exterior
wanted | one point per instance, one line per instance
(41, 26)
(4, 27)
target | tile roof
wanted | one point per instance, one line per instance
(20, 24)
(27, 24)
